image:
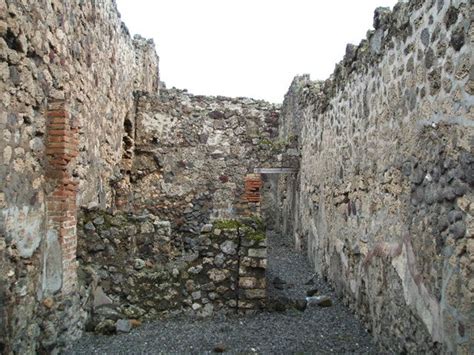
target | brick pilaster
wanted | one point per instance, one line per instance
(252, 197)
(61, 150)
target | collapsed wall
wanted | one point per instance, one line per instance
(68, 71)
(383, 202)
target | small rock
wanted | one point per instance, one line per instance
(219, 348)
(135, 323)
(207, 310)
(229, 247)
(312, 292)
(278, 281)
(219, 260)
(89, 226)
(105, 327)
(132, 311)
(206, 228)
(110, 250)
(195, 269)
(139, 264)
(97, 247)
(107, 312)
(147, 228)
(123, 326)
(99, 221)
(99, 297)
(48, 302)
(218, 275)
(321, 301)
(301, 305)
(278, 305)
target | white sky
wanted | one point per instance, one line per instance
(249, 48)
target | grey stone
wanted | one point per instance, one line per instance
(425, 37)
(218, 275)
(196, 306)
(195, 269)
(147, 228)
(458, 229)
(123, 326)
(206, 228)
(457, 39)
(257, 253)
(98, 221)
(321, 301)
(132, 311)
(229, 247)
(207, 310)
(89, 226)
(430, 57)
(139, 264)
(15, 76)
(454, 216)
(219, 260)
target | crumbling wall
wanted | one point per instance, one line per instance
(383, 201)
(189, 156)
(140, 269)
(78, 53)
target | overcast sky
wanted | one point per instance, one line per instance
(250, 48)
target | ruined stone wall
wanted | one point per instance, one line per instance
(189, 156)
(54, 159)
(383, 202)
(140, 269)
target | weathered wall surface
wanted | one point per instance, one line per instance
(81, 53)
(138, 271)
(383, 202)
(189, 156)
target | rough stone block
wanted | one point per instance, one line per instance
(257, 253)
(255, 294)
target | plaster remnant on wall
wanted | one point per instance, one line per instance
(23, 226)
(52, 264)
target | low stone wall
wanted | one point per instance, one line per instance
(138, 269)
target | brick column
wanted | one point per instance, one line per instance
(61, 150)
(252, 196)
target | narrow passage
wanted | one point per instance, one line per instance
(285, 329)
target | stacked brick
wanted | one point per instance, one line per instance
(61, 150)
(251, 200)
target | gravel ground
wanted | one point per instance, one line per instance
(316, 330)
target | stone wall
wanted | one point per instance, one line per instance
(188, 156)
(140, 269)
(383, 202)
(79, 53)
